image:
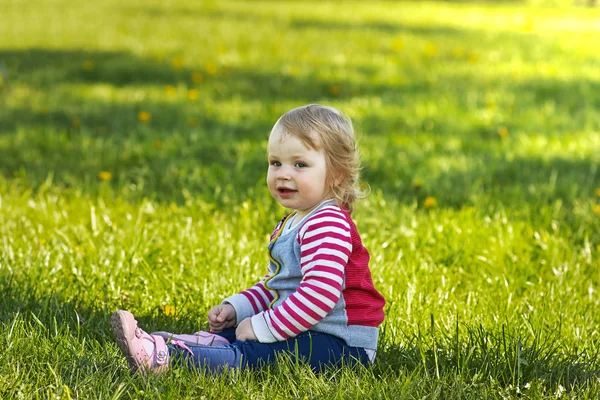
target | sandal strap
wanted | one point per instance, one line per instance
(182, 344)
(200, 338)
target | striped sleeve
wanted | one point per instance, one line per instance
(251, 301)
(325, 246)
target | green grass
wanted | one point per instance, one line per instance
(492, 110)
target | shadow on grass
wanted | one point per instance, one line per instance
(45, 68)
(81, 313)
(573, 97)
(299, 24)
(509, 359)
(292, 22)
(82, 136)
(379, 27)
(75, 334)
(56, 344)
(481, 173)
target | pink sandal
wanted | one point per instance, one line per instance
(142, 350)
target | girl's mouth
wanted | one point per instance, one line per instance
(286, 193)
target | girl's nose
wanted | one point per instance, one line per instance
(284, 174)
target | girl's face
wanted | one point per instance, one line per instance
(297, 174)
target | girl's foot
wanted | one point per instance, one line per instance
(200, 338)
(142, 350)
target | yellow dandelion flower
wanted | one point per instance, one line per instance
(193, 121)
(473, 58)
(597, 192)
(430, 202)
(76, 122)
(418, 183)
(89, 65)
(430, 49)
(211, 68)
(144, 116)
(170, 90)
(169, 310)
(502, 131)
(335, 90)
(104, 176)
(397, 45)
(192, 94)
(596, 209)
(158, 144)
(177, 62)
(197, 77)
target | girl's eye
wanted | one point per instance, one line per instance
(300, 165)
(276, 163)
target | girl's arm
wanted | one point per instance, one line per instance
(325, 246)
(251, 301)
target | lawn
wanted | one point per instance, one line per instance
(132, 175)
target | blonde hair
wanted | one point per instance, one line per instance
(335, 136)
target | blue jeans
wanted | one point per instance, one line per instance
(319, 350)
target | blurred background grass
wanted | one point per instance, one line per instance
(467, 100)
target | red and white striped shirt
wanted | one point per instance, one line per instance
(319, 279)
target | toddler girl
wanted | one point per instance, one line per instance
(317, 301)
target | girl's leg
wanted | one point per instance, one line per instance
(228, 333)
(319, 350)
(211, 358)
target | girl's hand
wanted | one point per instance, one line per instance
(221, 317)
(245, 331)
